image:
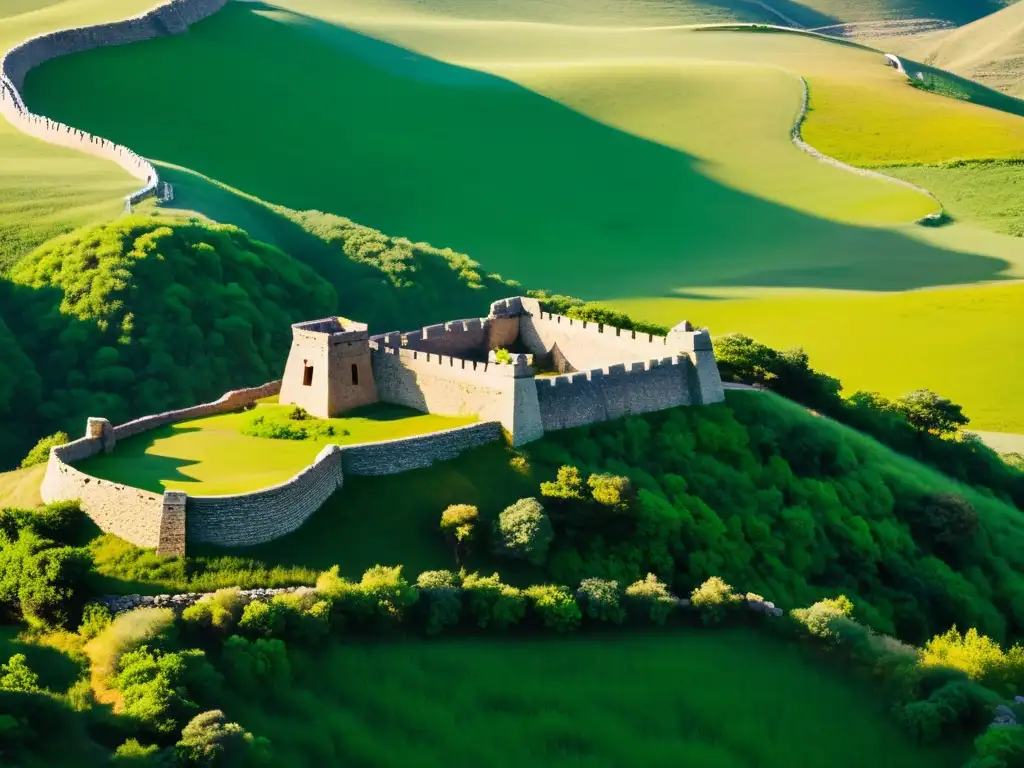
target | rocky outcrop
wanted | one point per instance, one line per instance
(122, 603)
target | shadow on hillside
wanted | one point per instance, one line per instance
(461, 158)
(133, 463)
(56, 670)
(364, 291)
(953, 86)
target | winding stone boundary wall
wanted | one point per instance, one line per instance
(171, 18)
(798, 140)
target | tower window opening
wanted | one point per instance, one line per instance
(307, 376)
(355, 374)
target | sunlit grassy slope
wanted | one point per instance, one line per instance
(47, 190)
(211, 456)
(683, 698)
(885, 342)
(632, 161)
(989, 50)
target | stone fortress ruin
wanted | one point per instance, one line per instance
(520, 370)
(452, 368)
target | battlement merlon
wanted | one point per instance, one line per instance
(336, 330)
(684, 338)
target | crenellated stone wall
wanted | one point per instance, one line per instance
(435, 383)
(602, 394)
(170, 18)
(508, 398)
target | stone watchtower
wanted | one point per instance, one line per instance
(328, 369)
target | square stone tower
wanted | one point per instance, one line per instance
(328, 370)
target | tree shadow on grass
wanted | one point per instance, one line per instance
(134, 462)
(56, 669)
(339, 121)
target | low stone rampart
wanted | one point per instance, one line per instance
(133, 514)
(602, 394)
(229, 401)
(169, 18)
(389, 457)
(168, 521)
(254, 518)
(145, 519)
(246, 519)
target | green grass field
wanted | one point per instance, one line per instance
(714, 699)
(658, 148)
(45, 190)
(883, 342)
(211, 456)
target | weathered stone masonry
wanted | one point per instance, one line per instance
(168, 521)
(450, 368)
(171, 18)
(612, 372)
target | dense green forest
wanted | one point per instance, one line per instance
(792, 506)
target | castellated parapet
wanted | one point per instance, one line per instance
(604, 372)
(453, 368)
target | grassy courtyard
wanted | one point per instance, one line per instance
(714, 699)
(212, 456)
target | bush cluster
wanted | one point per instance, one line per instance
(761, 493)
(290, 427)
(921, 424)
(938, 694)
(41, 574)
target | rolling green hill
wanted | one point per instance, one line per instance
(644, 165)
(989, 50)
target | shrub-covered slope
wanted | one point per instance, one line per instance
(142, 315)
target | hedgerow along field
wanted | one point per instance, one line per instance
(699, 697)
(230, 453)
(647, 164)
